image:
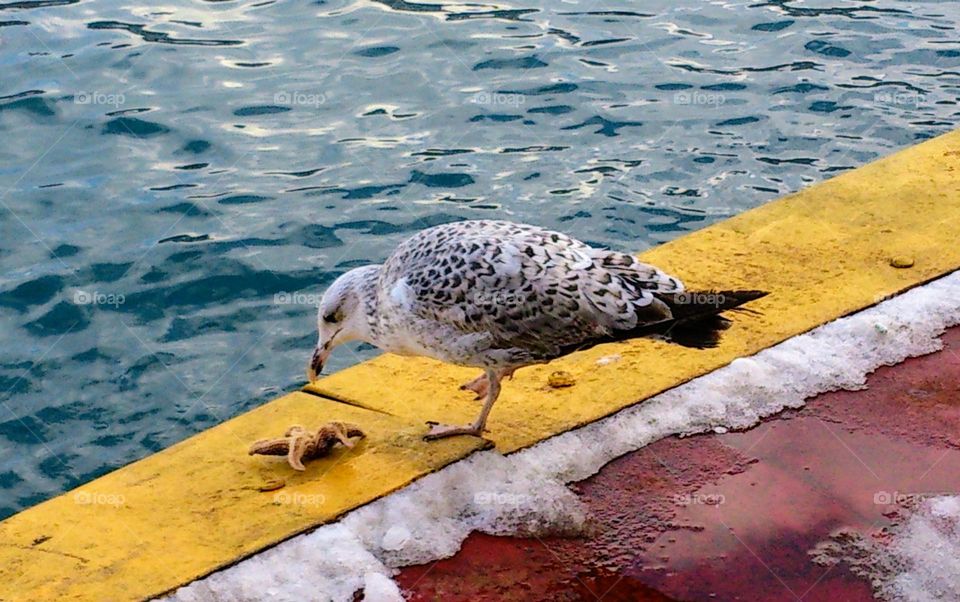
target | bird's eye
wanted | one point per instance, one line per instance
(332, 317)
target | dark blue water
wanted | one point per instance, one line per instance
(171, 175)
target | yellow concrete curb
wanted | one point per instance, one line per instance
(184, 512)
(204, 503)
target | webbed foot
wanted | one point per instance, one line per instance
(441, 431)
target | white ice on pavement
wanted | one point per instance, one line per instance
(926, 550)
(526, 492)
(916, 558)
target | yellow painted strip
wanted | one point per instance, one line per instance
(188, 510)
(195, 507)
(822, 253)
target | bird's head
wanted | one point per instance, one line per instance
(343, 314)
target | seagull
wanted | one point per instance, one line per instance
(499, 295)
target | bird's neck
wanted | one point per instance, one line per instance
(366, 291)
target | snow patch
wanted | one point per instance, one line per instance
(526, 492)
(916, 559)
(928, 550)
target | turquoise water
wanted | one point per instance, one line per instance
(178, 182)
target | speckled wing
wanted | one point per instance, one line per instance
(537, 293)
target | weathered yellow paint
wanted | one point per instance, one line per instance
(197, 506)
(822, 253)
(186, 511)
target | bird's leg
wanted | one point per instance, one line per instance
(439, 431)
(480, 384)
(477, 385)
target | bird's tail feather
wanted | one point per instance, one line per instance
(696, 320)
(696, 315)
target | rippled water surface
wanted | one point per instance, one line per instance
(179, 180)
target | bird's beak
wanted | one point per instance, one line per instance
(320, 355)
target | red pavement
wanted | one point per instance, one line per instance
(732, 516)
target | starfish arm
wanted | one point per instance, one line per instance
(298, 447)
(269, 447)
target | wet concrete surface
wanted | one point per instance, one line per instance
(733, 516)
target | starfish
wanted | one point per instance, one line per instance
(299, 444)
